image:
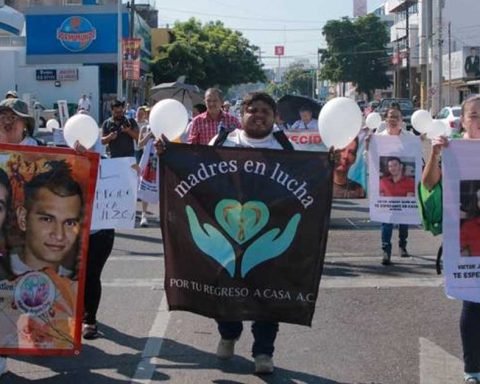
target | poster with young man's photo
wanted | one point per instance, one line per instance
(461, 219)
(350, 174)
(395, 166)
(46, 199)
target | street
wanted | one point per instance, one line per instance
(373, 324)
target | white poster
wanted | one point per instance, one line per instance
(63, 111)
(461, 219)
(148, 188)
(395, 166)
(116, 194)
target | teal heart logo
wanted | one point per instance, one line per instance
(241, 221)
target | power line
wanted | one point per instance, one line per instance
(242, 17)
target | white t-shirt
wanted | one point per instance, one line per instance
(299, 124)
(84, 103)
(238, 138)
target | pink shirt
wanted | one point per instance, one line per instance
(204, 128)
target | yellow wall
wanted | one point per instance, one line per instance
(160, 36)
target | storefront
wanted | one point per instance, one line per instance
(81, 36)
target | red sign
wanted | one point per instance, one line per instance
(279, 50)
(131, 59)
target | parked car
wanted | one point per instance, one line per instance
(406, 106)
(451, 116)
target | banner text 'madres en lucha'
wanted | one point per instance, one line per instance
(207, 171)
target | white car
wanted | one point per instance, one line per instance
(451, 117)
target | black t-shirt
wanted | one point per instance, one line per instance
(123, 145)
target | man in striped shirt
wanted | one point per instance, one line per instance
(206, 125)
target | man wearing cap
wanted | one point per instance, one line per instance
(11, 95)
(16, 124)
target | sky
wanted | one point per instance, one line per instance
(295, 24)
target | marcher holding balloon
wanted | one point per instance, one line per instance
(432, 179)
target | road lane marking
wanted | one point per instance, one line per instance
(355, 255)
(326, 283)
(146, 367)
(437, 366)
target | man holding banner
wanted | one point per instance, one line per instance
(245, 230)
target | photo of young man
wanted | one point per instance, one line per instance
(42, 269)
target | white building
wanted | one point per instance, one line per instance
(459, 33)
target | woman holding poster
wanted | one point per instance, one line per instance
(431, 180)
(393, 120)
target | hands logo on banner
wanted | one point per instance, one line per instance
(242, 222)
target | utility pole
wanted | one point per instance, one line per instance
(437, 57)
(425, 33)
(407, 48)
(449, 63)
(119, 51)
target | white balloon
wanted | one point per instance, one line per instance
(339, 122)
(373, 120)
(437, 128)
(421, 120)
(168, 117)
(82, 128)
(52, 124)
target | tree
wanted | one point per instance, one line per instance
(298, 80)
(356, 52)
(208, 55)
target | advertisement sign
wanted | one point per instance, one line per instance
(131, 58)
(78, 36)
(46, 74)
(67, 74)
(76, 33)
(42, 275)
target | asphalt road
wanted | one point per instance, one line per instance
(373, 324)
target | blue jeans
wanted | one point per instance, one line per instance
(387, 230)
(264, 334)
(470, 332)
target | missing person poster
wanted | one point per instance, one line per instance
(395, 166)
(350, 174)
(461, 219)
(244, 231)
(46, 199)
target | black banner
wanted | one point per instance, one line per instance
(244, 231)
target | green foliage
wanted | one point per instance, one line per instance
(208, 55)
(356, 52)
(298, 80)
